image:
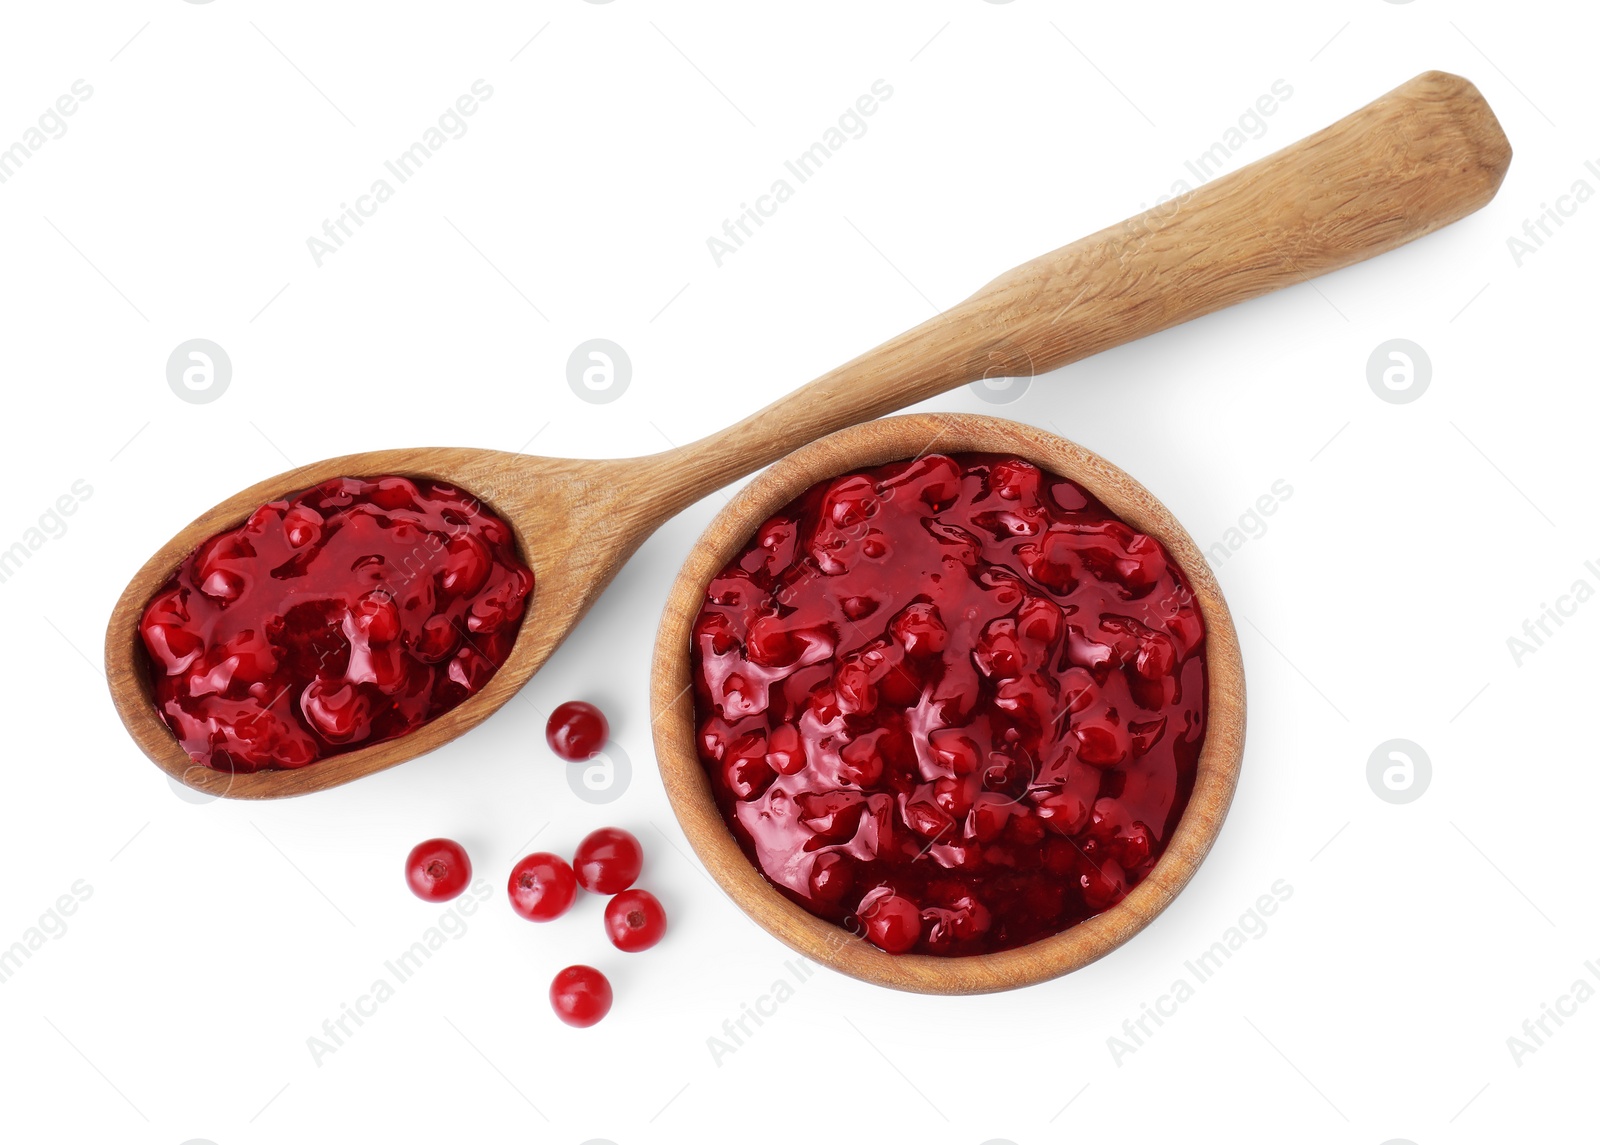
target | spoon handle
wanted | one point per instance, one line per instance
(1426, 154)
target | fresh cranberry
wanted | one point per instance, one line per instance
(580, 995)
(944, 682)
(635, 920)
(576, 730)
(542, 887)
(608, 860)
(343, 616)
(438, 870)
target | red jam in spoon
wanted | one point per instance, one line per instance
(952, 704)
(348, 614)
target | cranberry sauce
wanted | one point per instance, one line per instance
(953, 704)
(348, 614)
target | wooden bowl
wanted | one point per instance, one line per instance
(672, 702)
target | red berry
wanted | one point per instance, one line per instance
(997, 653)
(939, 477)
(953, 795)
(1039, 619)
(1063, 812)
(635, 920)
(927, 819)
(747, 776)
(1131, 845)
(466, 566)
(436, 640)
(576, 730)
(860, 762)
(956, 751)
(786, 751)
(1102, 743)
(893, 923)
(1015, 480)
(850, 501)
(394, 493)
(301, 526)
(771, 644)
(988, 818)
(542, 887)
(833, 816)
(438, 870)
(852, 680)
(1103, 886)
(580, 995)
(831, 877)
(920, 629)
(608, 860)
(339, 712)
(714, 635)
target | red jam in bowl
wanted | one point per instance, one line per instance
(348, 614)
(952, 704)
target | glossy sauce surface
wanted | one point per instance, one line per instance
(953, 703)
(348, 614)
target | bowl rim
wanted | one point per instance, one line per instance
(688, 787)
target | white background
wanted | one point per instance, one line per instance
(1377, 604)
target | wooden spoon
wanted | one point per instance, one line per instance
(1423, 156)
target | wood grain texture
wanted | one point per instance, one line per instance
(1420, 157)
(1424, 155)
(688, 788)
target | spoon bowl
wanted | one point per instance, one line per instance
(575, 523)
(689, 789)
(1424, 155)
